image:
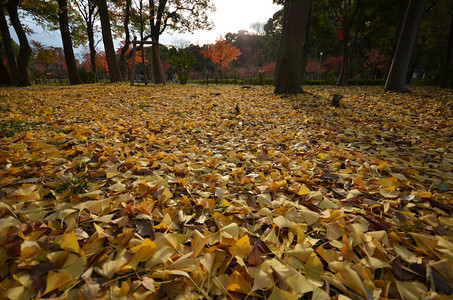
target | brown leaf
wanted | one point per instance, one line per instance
(377, 222)
(280, 281)
(255, 258)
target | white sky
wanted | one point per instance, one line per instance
(231, 16)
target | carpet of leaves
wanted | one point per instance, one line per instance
(187, 192)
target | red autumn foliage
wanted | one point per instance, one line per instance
(221, 53)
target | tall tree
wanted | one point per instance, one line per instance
(396, 79)
(6, 37)
(24, 51)
(221, 53)
(88, 10)
(449, 59)
(67, 42)
(290, 51)
(345, 12)
(179, 15)
(127, 40)
(114, 69)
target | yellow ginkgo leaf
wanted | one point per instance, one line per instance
(69, 242)
(57, 280)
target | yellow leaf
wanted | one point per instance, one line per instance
(57, 280)
(309, 216)
(69, 242)
(278, 294)
(425, 194)
(389, 192)
(425, 242)
(142, 252)
(411, 289)
(237, 283)
(261, 278)
(299, 284)
(92, 195)
(124, 290)
(166, 194)
(303, 190)
(353, 280)
(241, 248)
(198, 242)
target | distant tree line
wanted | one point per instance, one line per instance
(334, 41)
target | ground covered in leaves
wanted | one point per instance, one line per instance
(110, 191)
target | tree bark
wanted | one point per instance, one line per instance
(112, 63)
(347, 22)
(6, 37)
(123, 62)
(290, 51)
(396, 80)
(156, 22)
(157, 66)
(90, 33)
(67, 42)
(448, 61)
(306, 47)
(5, 78)
(343, 78)
(24, 51)
(399, 25)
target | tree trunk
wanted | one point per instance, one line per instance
(5, 78)
(306, 47)
(67, 42)
(156, 22)
(399, 25)
(123, 62)
(24, 51)
(343, 78)
(157, 66)
(112, 63)
(91, 46)
(6, 37)
(397, 74)
(290, 51)
(446, 72)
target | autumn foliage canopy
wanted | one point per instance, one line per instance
(221, 53)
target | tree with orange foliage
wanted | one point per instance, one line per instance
(221, 53)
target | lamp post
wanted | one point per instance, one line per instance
(319, 67)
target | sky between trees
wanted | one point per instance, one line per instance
(227, 18)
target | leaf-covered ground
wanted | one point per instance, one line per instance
(111, 191)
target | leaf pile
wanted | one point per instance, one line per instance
(205, 192)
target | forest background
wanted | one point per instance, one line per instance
(372, 29)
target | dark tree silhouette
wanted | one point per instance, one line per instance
(114, 69)
(24, 51)
(67, 42)
(6, 37)
(290, 51)
(396, 79)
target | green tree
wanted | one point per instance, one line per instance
(272, 34)
(183, 63)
